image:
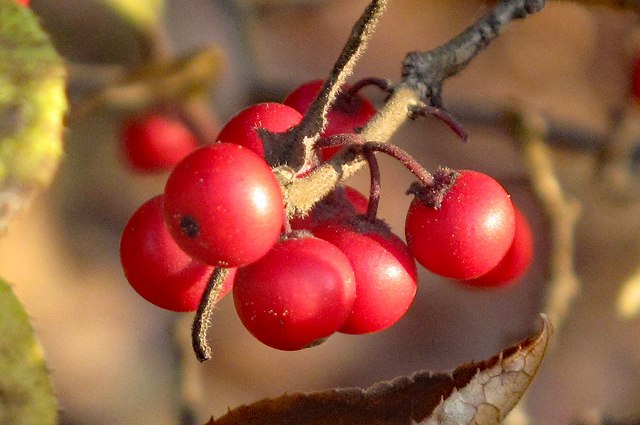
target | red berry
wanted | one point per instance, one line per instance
(346, 116)
(157, 268)
(357, 199)
(23, 2)
(515, 263)
(470, 232)
(343, 202)
(156, 142)
(241, 129)
(385, 272)
(223, 205)
(298, 294)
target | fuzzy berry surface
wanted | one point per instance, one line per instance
(157, 268)
(301, 292)
(271, 116)
(470, 232)
(516, 261)
(223, 205)
(346, 116)
(155, 142)
(385, 272)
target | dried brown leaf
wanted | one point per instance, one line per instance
(479, 393)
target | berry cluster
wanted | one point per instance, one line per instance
(298, 279)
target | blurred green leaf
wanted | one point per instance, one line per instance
(26, 395)
(141, 13)
(32, 106)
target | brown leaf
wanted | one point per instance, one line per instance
(479, 393)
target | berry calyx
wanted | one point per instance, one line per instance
(157, 268)
(468, 234)
(271, 116)
(385, 271)
(223, 205)
(155, 142)
(516, 261)
(349, 113)
(298, 294)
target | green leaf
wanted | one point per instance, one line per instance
(32, 106)
(26, 395)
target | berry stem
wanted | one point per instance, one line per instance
(384, 84)
(425, 177)
(445, 117)
(374, 191)
(202, 320)
(342, 139)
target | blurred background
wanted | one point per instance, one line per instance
(114, 357)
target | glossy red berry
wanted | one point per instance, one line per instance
(385, 272)
(470, 232)
(241, 129)
(343, 202)
(346, 116)
(156, 142)
(515, 263)
(157, 268)
(23, 2)
(295, 296)
(223, 205)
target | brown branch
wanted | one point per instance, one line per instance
(562, 211)
(423, 75)
(295, 148)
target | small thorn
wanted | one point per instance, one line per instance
(444, 116)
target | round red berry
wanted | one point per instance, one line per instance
(157, 268)
(223, 205)
(242, 128)
(385, 272)
(468, 234)
(295, 296)
(347, 115)
(516, 261)
(156, 142)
